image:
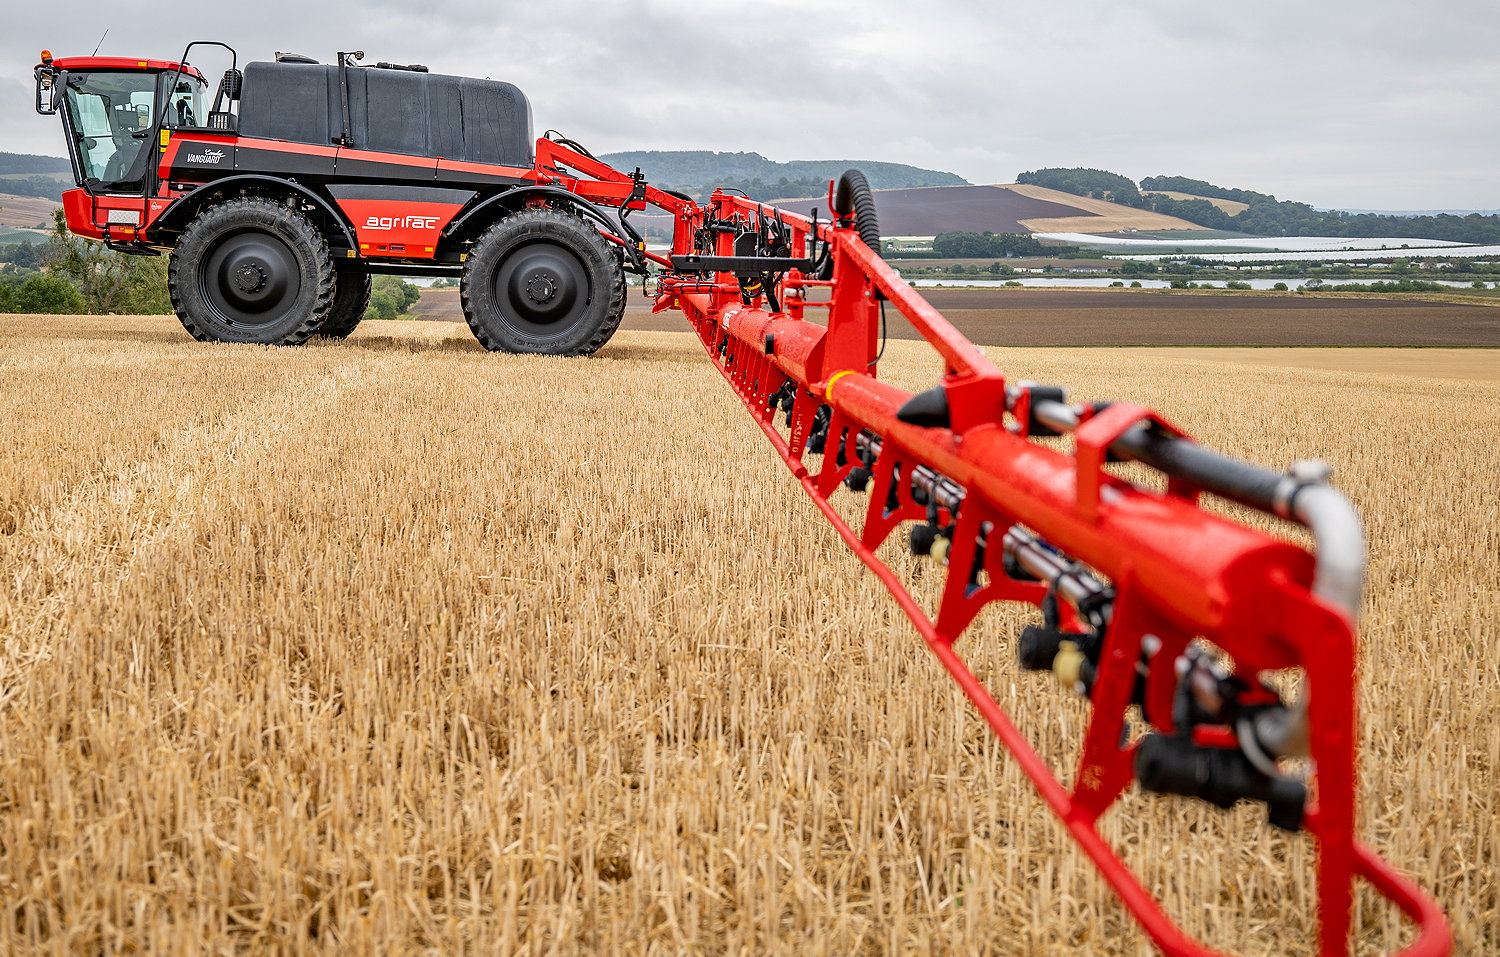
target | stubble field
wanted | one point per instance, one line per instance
(395, 646)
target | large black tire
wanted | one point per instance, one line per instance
(350, 300)
(251, 270)
(543, 280)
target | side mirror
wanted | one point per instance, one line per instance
(46, 90)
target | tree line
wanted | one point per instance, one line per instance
(45, 187)
(986, 245)
(71, 275)
(31, 163)
(1266, 215)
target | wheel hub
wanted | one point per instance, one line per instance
(541, 287)
(250, 277)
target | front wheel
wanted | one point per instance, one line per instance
(251, 270)
(542, 280)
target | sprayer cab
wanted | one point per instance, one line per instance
(113, 109)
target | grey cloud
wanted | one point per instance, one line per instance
(1282, 96)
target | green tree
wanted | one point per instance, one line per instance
(42, 295)
(108, 282)
(985, 245)
(961, 245)
(23, 255)
(1096, 183)
(391, 297)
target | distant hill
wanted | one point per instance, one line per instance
(1229, 206)
(31, 163)
(698, 172)
(1018, 208)
(1259, 214)
(1422, 212)
(24, 174)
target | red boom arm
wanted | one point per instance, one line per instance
(1136, 587)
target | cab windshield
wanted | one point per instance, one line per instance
(111, 117)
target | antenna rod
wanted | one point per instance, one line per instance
(101, 42)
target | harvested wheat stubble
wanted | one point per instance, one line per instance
(396, 646)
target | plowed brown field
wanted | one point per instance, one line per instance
(1051, 317)
(394, 646)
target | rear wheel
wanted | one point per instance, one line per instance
(251, 270)
(350, 300)
(542, 280)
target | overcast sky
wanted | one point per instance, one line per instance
(1375, 104)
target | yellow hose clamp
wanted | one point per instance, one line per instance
(828, 389)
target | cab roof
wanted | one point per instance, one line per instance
(125, 63)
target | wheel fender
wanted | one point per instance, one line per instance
(176, 217)
(474, 221)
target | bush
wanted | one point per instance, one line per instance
(107, 281)
(1280, 287)
(42, 295)
(1236, 284)
(985, 245)
(391, 297)
(1136, 284)
(1117, 285)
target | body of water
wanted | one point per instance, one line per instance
(1365, 255)
(1291, 244)
(1085, 283)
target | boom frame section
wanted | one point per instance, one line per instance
(1180, 574)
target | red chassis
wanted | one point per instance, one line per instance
(400, 224)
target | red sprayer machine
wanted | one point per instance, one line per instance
(280, 196)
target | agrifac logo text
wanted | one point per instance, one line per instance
(401, 222)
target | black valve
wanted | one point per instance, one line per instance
(1038, 646)
(817, 438)
(924, 536)
(920, 539)
(858, 479)
(1220, 776)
